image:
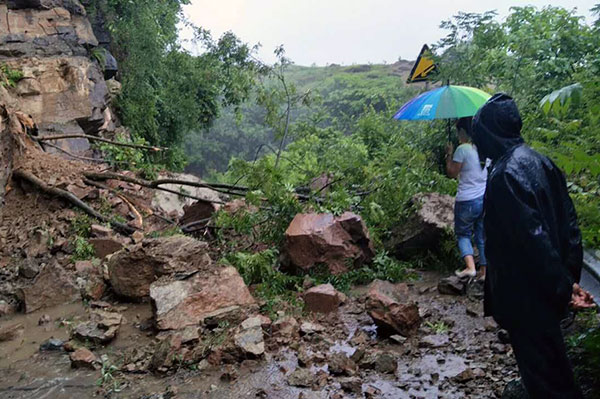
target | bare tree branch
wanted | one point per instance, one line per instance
(94, 138)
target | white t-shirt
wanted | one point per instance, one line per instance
(472, 178)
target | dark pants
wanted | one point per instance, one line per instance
(543, 364)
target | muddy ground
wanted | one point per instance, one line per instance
(455, 354)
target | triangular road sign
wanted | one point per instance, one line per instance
(423, 67)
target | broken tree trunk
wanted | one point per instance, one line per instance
(70, 197)
(94, 138)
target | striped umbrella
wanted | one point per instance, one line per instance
(445, 102)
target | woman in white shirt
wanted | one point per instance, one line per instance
(468, 208)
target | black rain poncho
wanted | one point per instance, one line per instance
(533, 243)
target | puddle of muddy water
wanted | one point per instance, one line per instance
(61, 318)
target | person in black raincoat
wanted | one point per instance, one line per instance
(534, 249)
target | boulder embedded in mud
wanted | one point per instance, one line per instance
(132, 270)
(83, 358)
(51, 287)
(434, 216)
(321, 238)
(390, 309)
(322, 299)
(101, 329)
(181, 303)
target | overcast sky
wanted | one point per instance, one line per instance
(344, 31)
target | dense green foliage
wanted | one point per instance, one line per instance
(529, 55)
(167, 92)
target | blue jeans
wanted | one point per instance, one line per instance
(468, 222)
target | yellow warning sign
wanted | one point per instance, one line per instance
(423, 67)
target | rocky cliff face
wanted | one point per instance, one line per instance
(63, 88)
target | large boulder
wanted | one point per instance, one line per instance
(198, 213)
(391, 309)
(322, 299)
(133, 269)
(51, 287)
(433, 217)
(181, 303)
(321, 238)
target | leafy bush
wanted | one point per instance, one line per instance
(9, 77)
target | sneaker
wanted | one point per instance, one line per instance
(465, 273)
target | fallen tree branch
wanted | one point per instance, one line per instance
(70, 197)
(128, 201)
(73, 155)
(94, 138)
(155, 184)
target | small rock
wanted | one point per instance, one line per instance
(498, 348)
(105, 246)
(434, 341)
(83, 358)
(45, 319)
(84, 267)
(286, 327)
(340, 364)
(7, 309)
(101, 231)
(351, 384)
(490, 325)
(322, 299)
(29, 268)
(452, 286)
(11, 333)
(229, 374)
(52, 344)
(464, 376)
(249, 340)
(301, 377)
(385, 363)
(308, 328)
(475, 310)
(372, 392)
(399, 339)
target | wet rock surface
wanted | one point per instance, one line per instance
(133, 270)
(321, 355)
(321, 238)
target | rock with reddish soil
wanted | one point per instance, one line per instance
(198, 212)
(100, 231)
(321, 238)
(390, 309)
(101, 329)
(51, 287)
(132, 270)
(322, 299)
(83, 358)
(181, 303)
(105, 246)
(433, 217)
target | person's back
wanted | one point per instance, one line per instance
(472, 177)
(533, 247)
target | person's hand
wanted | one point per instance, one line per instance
(449, 149)
(581, 299)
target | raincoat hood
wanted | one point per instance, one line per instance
(497, 127)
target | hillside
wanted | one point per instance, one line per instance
(341, 94)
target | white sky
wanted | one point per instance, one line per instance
(344, 31)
